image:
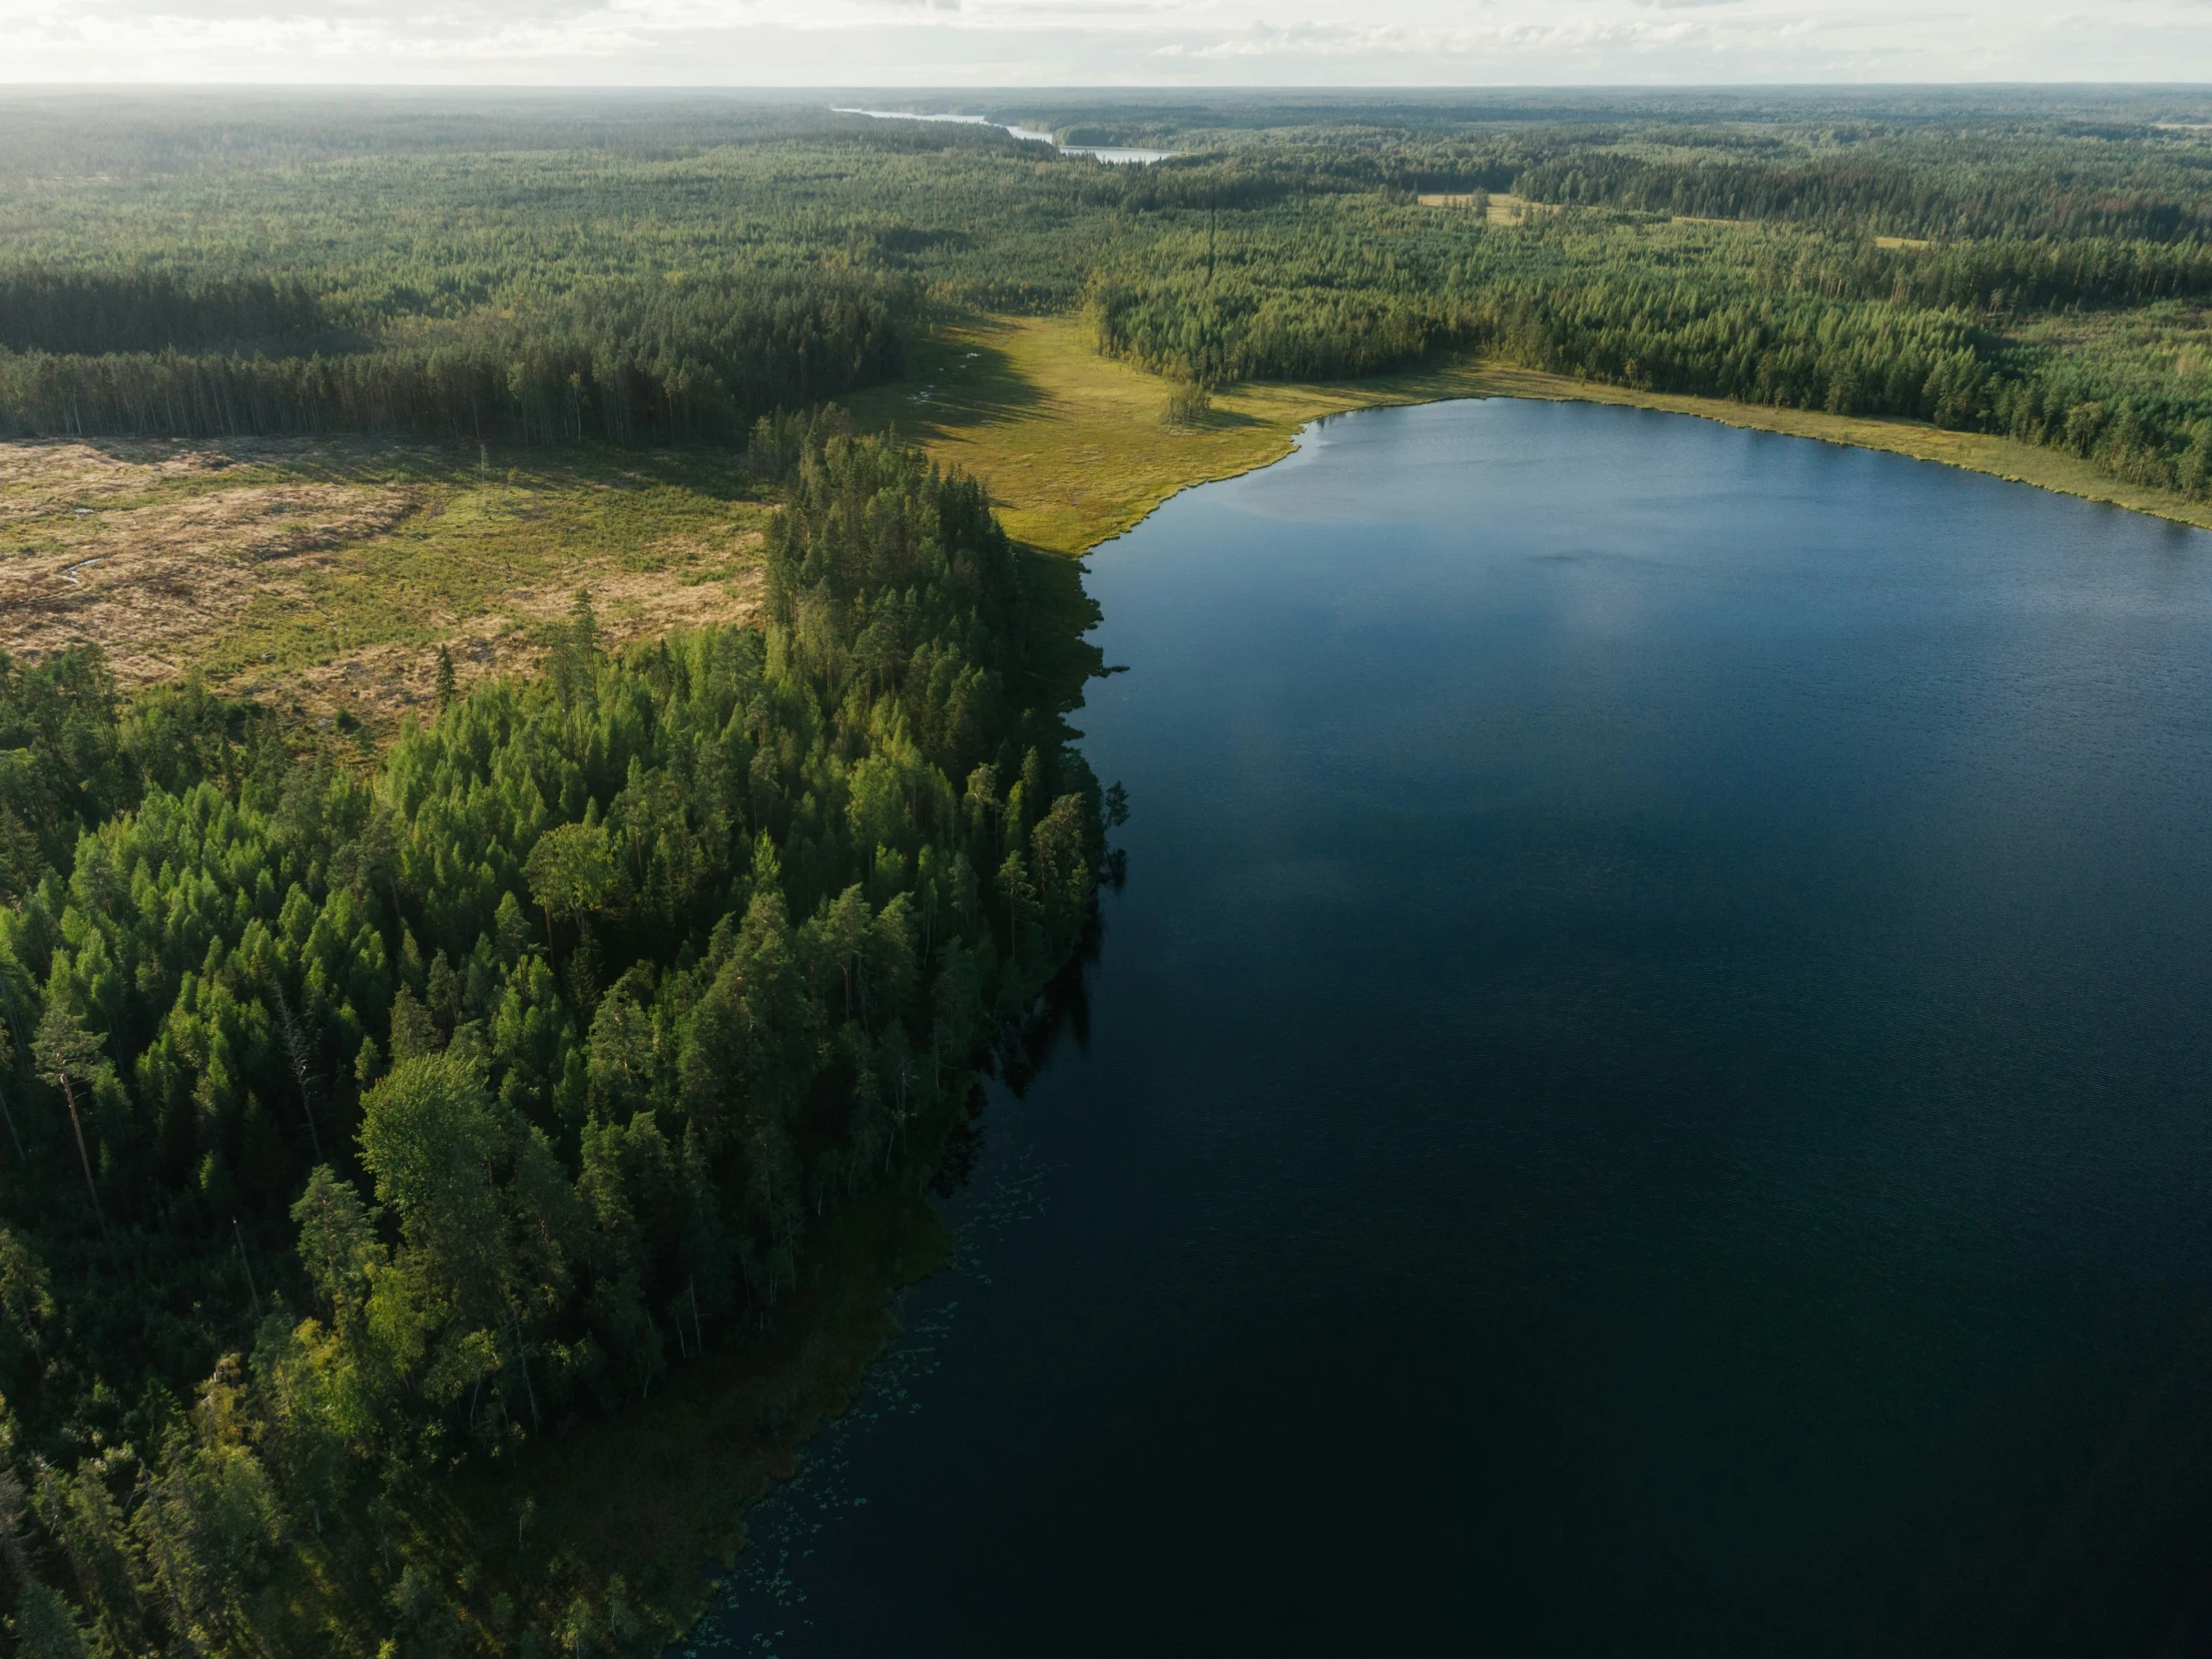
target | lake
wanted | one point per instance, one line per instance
(1646, 1091)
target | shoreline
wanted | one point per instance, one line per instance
(1996, 457)
(653, 1503)
(1253, 426)
(616, 1510)
(1071, 445)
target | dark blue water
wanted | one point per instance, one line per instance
(1646, 1094)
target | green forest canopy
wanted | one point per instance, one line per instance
(663, 269)
(360, 1128)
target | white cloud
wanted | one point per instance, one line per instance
(1100, 42)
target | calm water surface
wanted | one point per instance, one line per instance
(1646, 1094)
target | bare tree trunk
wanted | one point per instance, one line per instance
(296, 1051)
(522, 1358)
(247, 1262)
(70, 1096)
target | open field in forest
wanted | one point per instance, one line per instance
(1500, 207)
(326, 573)
(1073, 445)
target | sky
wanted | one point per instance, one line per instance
(1039, 42)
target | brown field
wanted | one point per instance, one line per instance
(327, 574)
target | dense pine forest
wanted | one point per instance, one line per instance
(371, 1120)
(365, 1126)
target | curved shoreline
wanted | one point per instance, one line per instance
(1995, 457)
(1072, 449)
(835, 1359)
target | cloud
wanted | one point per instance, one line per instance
(1101, 42)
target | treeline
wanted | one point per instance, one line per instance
(2039, 190)
(1322, 289)
(2160, 436)
(359, 1129)
(92, 311)
(1339, 290)
(2002, 276)
(1870, 357)
(667, 361)
(1214, 334)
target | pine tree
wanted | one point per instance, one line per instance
(67, 1055)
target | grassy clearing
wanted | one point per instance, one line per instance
(1504, 207)
(2018, 463)
(327, 574)
(1073, 448)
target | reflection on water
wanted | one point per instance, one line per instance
(767, 1607)
(1646, 1093)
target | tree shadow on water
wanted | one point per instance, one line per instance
(1025, 1048)
(1022, 1052)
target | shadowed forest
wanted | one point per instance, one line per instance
(382, 1122)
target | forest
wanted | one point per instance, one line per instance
(639, 271)
(367, 1125)
(372, 1118)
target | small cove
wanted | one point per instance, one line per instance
(1646, 1091)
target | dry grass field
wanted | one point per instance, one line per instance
(327, 574)
(1504, 207)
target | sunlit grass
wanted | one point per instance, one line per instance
(2050, 469)
(1073, 449)
(1071, 444)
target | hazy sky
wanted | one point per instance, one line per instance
(1105, 42)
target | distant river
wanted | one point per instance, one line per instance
(1115, 154)
(1647, 1092)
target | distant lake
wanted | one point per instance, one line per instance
(1116, 154)
(1647, 1092)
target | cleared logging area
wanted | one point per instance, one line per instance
(327, 574)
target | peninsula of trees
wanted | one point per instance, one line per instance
(362, 1127)
(374, 1119)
